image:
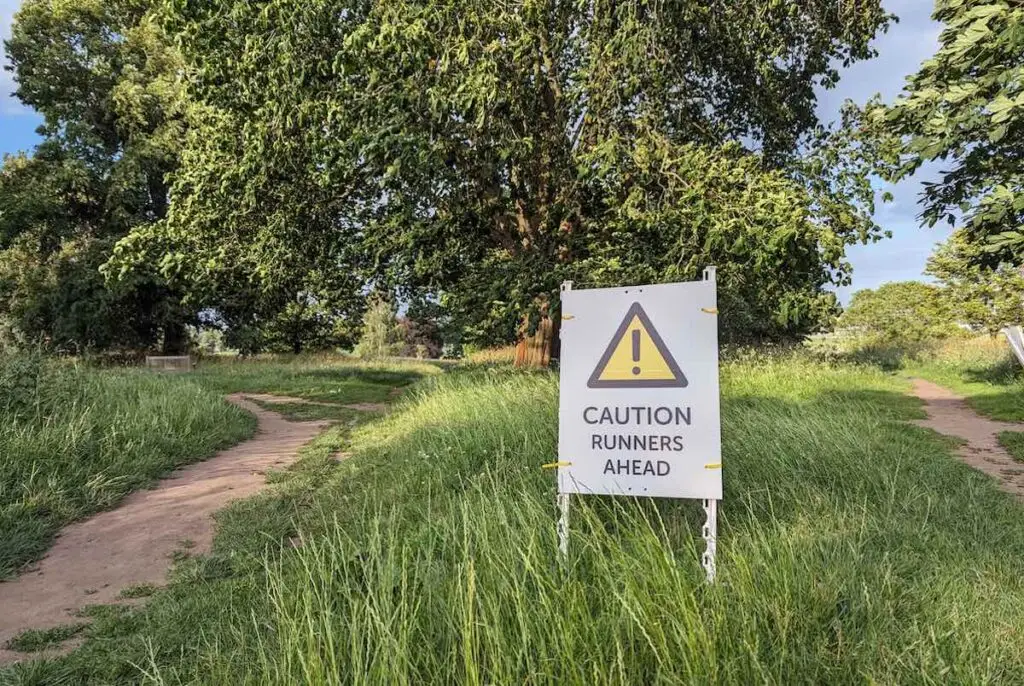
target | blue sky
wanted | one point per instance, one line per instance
(901, 50)
(914, 39)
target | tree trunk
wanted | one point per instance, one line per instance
(556, 340)
(536, 350)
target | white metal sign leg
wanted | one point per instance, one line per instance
(563, 523)
(710, 532)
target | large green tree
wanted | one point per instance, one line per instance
(53, 239)
(252, 240)
(480, 153)
(985, 296)
(964, 109)
(106, 84)
(109, 84)
(907, 311)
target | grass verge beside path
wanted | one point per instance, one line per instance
(348, 381)
(986, 373)
(1013, 441)
(304, 412)
(74, 441)
(983, 370)
(35, 640)
(852, 548)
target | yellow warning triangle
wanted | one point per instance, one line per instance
(637, 357)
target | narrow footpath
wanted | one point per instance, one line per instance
(93, 560)
(949, 414)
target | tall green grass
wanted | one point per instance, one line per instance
(981, 368)
(75, 440)
(853, 549)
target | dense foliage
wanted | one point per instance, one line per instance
(478, 154)
(907, 311)
(105, 84)
(965, 109)
(381, 336)
(110, 88)
(260, 166)
(985, 297)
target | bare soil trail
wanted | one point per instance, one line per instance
(949, 414)
(93, 560)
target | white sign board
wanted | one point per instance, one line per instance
(639, 400)
(1015, 336)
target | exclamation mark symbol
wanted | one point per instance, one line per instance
(636, 350)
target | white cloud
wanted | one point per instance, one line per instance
(9, 105)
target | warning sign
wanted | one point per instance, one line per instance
(637, 357)
(639, 398)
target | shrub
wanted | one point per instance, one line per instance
(909, 311)
(21, 376)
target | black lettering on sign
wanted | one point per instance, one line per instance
(653, 442)
(639, 415)
(637, 467)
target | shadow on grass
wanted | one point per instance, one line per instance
(836, 491)
(1002, 373)
(340, 383)
(337, 373)
(376, 376)
(1003, 406)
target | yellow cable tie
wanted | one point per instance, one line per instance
(709, 310)
(713, 465)
(567, 317)
(552, 465)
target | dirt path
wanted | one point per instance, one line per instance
(93, 560)
(950, 415)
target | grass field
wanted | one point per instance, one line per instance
(853, 549)
(75, 440)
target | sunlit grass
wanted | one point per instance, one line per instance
(1013, 441)
(502, 355)
(982, 369)
(853, 549)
